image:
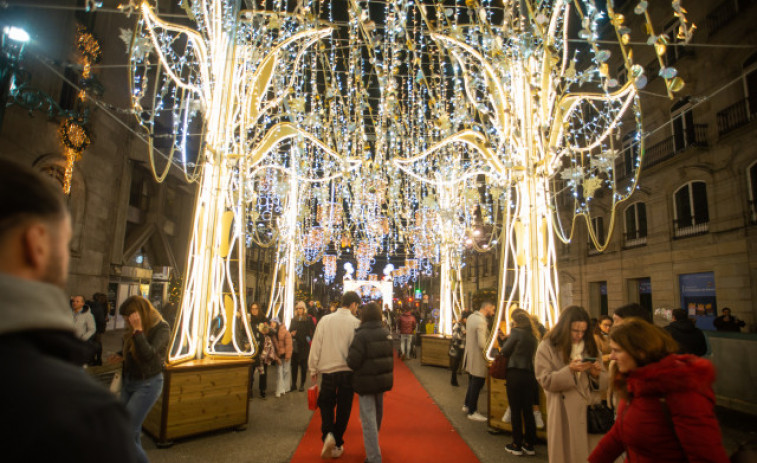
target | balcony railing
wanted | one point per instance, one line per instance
(685, 228)
(668, 148)
(721, 15)
(725, 12)
(659, 152)
(700, 135)
(733, 117)
(633, 240)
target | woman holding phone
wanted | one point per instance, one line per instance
(145, 347)
(568, 368)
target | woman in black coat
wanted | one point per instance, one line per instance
(302, 329)
(520, 348)
(371, 359)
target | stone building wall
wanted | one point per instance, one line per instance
(721, 158)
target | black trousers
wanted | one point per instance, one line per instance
(336, 392)
(262, 379)
(300, 367)
(520, 394)
(454, 365)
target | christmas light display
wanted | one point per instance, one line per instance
(397, 128)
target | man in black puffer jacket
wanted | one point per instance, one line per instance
(371, 359)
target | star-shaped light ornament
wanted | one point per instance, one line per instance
(605, 162)
(591, 185)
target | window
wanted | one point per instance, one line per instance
(750, 83)
(139, 195)
(630, 154)
(691, 212)
(636, 223)
(683, 124)
(674, 52)
(751, 175)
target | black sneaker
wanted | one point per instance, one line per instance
(515, 450)
(529, 449)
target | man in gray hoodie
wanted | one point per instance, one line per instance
(52, 409)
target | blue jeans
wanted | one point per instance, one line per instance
(371, 412)
(406, 344)
(140, 395)
(475, 384)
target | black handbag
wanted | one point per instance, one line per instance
(599, 418)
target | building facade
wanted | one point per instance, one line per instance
(688, 236)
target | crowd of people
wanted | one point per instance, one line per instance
(654, 379)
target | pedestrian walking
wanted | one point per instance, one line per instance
(328, 357)
(302, 328)
(666, 412)
(371, 359)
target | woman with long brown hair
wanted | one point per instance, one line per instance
(568, 368)
(667, 407)
(144, 352)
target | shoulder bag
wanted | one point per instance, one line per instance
(599, 418)
(498, 368)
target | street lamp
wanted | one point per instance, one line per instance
(11, 50)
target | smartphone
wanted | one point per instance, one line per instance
(589, 359)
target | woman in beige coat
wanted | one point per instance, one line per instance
(568, 368)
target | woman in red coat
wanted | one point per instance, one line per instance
(667, 406)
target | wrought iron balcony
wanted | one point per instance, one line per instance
(733, 117)
(671, 146)
(724, 13)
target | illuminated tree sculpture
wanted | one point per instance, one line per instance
(550, 131)
(226, 81)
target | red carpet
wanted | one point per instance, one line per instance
(413, 429)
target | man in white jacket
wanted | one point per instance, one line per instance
(84, 321)
(328, 356)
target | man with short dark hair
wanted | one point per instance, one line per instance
(727, 322)
(476, 335)
(52, 409)
(690, 339)
(631, 310)
(328, 356)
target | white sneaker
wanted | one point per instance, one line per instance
(507, 416)
(476, 416)
(465, 408)
(337, 452)
(539, 420)
(328, 445)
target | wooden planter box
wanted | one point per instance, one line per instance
(498, 405)
(435, 350)
(200, 396)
